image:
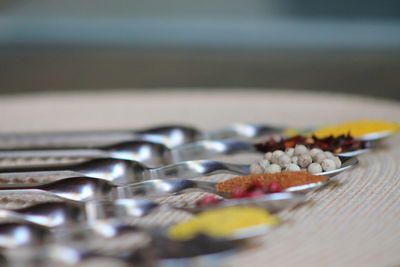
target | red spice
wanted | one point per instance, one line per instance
(207, 200)
(274, 187)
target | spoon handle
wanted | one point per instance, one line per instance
(171, 135)
(197, 168)
(65, 139)
(27, 194)
(53, 153)
(36, 174)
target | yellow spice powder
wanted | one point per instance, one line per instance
(222, 222)
(357, 128)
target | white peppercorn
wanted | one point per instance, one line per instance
(273, 168)
(304, 160)
(255, 168)
(328, 165)
(329, 155)
(275, 156)
(314, 168)
(292, 168)
(268, 156)
(338, 162)
(300, 149)
(319, 157)
(289, 151)
(314, 152)
(284, 160)
(264, 164)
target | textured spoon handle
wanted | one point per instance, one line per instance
(28, 195)
(53, 153)
(71, 139)
(17, 178)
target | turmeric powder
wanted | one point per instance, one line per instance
(223, 222)
(357, 128)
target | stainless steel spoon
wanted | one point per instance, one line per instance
(123, 172)
(50, 214)
(83, 189)
(171, 136)
(76, 189)
(54, 214)
(138, 207)
(151, 154)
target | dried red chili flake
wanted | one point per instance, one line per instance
(274, 187)
(342, 143)
(207, 200)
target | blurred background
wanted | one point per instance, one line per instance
(348, 46)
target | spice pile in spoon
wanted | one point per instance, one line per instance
(256, 185)
(339, 144)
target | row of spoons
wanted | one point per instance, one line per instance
(106, 198)
(110, 188)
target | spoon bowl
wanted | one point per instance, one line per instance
(377, 136)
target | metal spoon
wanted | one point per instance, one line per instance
(120, 208)
(171, 136)
(83, 189)
(168, 135)
(151, 154)
(50, 214)
(123, 172)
